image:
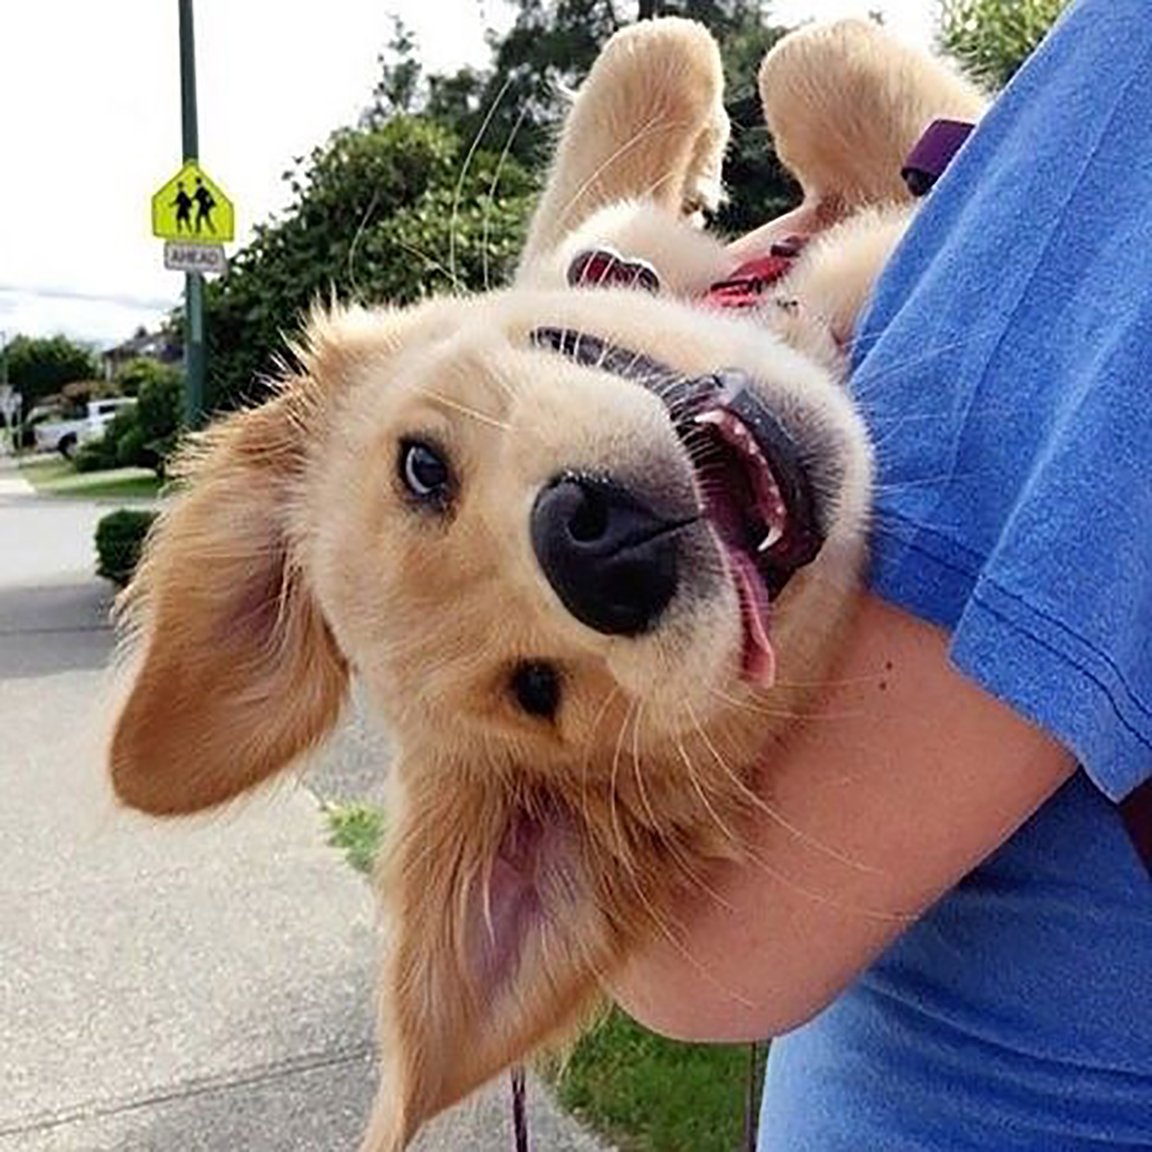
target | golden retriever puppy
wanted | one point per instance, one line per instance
(583, 540)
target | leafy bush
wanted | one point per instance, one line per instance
(158, 418)
(119, 538)
(145, 435)
(96, 455)
(132, 450)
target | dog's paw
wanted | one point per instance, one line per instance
(671, 62)
(846, 101)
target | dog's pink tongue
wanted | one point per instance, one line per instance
(759, 655)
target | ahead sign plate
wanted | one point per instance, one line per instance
(182, 257)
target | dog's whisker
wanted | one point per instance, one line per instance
(827, 901)
(668, 842)
(773, 814)
(434, 264)
(922, 482)
(360, 230)
(658, 920)
(623, 851)
(756, 709)
(702, 795)
(465, 410)
(646, 130)
(458, 191)
(589, 748)
(485, 221)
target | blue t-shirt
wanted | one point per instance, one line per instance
(1005, 368)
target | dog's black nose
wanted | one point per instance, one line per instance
(610, 559)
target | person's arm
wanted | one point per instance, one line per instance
(914, 774)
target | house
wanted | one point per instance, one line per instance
(160, 346)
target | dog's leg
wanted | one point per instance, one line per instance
(648, 124)
(845, 103)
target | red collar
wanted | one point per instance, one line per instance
(747, 285)
(606, 268)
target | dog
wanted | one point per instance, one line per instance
(582, 540)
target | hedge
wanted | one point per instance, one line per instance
(119, 539)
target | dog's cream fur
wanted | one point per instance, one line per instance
(523, 855)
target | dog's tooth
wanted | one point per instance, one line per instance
(775, 532)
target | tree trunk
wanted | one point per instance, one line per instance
(648, 9)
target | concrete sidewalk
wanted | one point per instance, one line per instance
(202, 985)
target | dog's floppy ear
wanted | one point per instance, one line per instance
(236, 671)
(494, 942)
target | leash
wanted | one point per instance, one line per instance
(519, 1110)
(752, 1095)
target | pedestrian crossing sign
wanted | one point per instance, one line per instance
(191, 207)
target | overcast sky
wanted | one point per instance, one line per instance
(90, 127)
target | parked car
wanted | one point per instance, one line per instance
(65, 436)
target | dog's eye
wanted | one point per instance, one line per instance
(424, 472)
(536, 686)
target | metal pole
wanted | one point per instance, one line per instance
(194, 357)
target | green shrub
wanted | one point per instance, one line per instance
(145, 435)
(119, 539)
(96, 455)
(133, 451)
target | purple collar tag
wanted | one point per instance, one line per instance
(933, 153)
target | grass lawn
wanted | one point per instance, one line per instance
(648, 1094)
(59, 478)
(643, 1093)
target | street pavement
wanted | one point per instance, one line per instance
(192, 986)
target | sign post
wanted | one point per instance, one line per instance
(194, 360)
(191, 213)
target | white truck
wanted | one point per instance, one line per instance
(65, 436)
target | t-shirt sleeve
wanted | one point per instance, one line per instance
(1005, 369)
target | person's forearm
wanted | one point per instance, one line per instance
(906, 776)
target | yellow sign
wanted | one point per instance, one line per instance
(191, 207)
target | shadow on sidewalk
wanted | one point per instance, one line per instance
(54, 628)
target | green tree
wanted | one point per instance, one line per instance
(399, 86)
(153, 426)
(39, 366)
(519, 99)
(432, 189)
(380, 214)
(992, 38)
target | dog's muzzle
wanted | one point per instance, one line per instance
(756, 481)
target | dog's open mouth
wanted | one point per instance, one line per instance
(756, 492)
(758, 499)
